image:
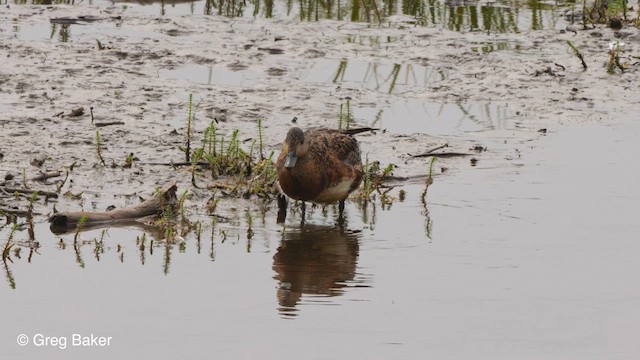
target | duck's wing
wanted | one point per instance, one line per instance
(334, 143)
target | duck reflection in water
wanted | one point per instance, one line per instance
(314, 260)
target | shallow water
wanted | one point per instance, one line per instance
(527, 260)
(442, 119)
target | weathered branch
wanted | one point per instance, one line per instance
(153, 206)
(47, 175)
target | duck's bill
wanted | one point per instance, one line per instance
(290, 160)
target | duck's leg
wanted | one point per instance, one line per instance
(282, 208)
(341, 213)
(304, 210)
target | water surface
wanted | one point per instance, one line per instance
(530, 259)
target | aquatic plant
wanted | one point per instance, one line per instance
(181, 204)
(249, 230)
(99, 145)
(79, 228)
(610, 12)
(373, 182)
(9, 244)
(229, 160)
(614, 57)
(260, 143)
(263, 183)
(128, 161)
(76, 243)
(187, 149)
(577, 53)
(428, 181)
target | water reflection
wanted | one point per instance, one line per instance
(499, 16)
(384, 77)
(441, 119)
(316, 261)
(232, 74)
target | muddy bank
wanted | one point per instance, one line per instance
(264, 69)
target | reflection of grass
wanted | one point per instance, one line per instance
(345, 116)
(6, 251)
(426, 13)
(428, 182)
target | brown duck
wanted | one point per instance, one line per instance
(320, 165)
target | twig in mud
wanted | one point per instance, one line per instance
(443, 155)
(45, 176)
(66, 177)
(176, 164)
(437, 148)
(355, 131)
(545, 70)
(17, 212)
(560, 66)
(29, 191)
(577, 53)
(91, 111)
(107, 123)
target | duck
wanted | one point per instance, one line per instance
(322, 166)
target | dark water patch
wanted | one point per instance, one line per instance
(386, 77)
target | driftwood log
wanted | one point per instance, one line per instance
(65, 221)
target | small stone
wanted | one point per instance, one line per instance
(615, 23)
(38, 160)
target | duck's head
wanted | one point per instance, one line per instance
(295, 147)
